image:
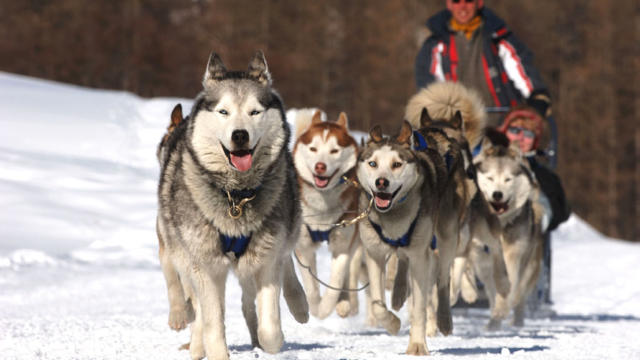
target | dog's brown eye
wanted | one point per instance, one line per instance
(396, 164)
(312, 149)
(489, 178)
(333, 151)
(507, 180)
(373, 164)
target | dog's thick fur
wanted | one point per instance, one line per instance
(452, 118)
(511, 188)
(233, 147)
(442, 100)
(403, 185)
(324, 152)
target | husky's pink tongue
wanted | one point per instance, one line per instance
(242, 163)
(382, 203)
(321, 182)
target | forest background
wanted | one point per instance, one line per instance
(358, 57)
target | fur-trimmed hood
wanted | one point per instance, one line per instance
(442, 100)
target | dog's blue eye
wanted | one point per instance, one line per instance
(254, 113)
(396, 165)
(223, 112)
(372, 164)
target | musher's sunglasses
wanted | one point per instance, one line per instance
(458, 1)
(517, 130)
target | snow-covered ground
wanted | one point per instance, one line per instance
(80, 279)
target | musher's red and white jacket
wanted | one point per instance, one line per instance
(507, 62)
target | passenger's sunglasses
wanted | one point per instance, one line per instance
(458, 1)
(517, 130)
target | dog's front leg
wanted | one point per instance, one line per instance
(249, 308)
(339, 268)
(268, 282)
(421, 280)
(307, 257)
(210, 289)
(384, 317)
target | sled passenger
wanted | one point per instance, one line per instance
(524, 125)
(471, 45)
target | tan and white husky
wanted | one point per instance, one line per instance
(325, 158)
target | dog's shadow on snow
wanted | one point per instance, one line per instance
(489, 350)
(286, 347)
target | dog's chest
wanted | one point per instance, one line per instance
(321, 208)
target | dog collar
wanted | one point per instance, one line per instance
(245, 195)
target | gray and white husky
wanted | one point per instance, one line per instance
(228, 199)
(403, 186)
(509, 185)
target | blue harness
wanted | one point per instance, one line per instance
(422, 145)
(476, 150)
(236, 244)
(319, 235)
(405, 239)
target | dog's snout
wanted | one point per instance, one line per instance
(321, 168)
(382, 183)
(497, 195)
(240, 137)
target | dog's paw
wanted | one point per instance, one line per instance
(179, 319)
(445, 322)
(343, 308)
(418, 349)
(271, 340)
(518, 321)
(494, 325)
(393, 325)
(431, 328)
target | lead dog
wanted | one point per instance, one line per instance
(228, 200)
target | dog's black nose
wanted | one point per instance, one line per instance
(497, 195)
(240, 137)
(382, 183)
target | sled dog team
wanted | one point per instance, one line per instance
(415, 213)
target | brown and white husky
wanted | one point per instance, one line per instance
(325, 158)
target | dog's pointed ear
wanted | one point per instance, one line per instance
(176, 115)
(456, 120)
(317, 117)
(375, 134)
(258, 69)
(215, 69)
(406, 133)
(343, 121)
(514, 150)
(425, 118)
